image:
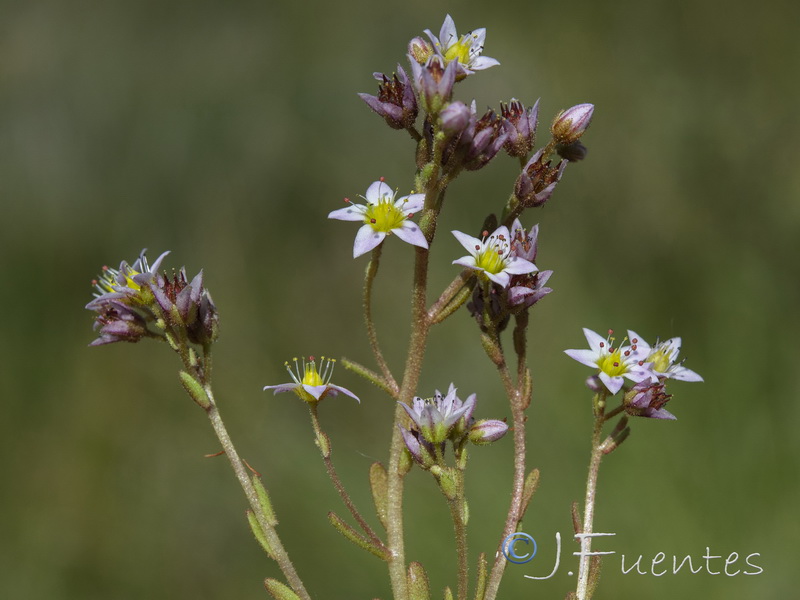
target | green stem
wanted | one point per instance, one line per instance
(518, 404)
(325, 448)
(278, 551)
(591, 493)
(457, 511)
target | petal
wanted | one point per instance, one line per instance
(502, 278)
(334, 389)
(479, 63)
(315, 390)
(283, 387)
(411, 233)
(410, 204)
(448, 34)
(595, 340)
(154, 267)
(478, 36)
(683, 374)
(519, 266)
(468, 242)
(354, 212)
(658, 413)
(612, 383)
(585, 357)
(414, 414)
(377, 190)
(467, 261)
(366, 239)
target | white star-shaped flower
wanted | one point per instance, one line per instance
(382, 215)
(493, 256)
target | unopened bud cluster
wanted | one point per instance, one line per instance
(137, 301)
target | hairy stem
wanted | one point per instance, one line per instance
(591, 492)
(325, 448)
(369, 279)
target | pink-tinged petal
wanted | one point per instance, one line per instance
(335, 389)
(315, 390)
(412, 444)
(376, 191)
(154, 267)
(658, 413)
(683, 374)
(483, 62)
(502, 278)
(411, 204)
(467, 261)
(411, 233)
(544, 276)
(519, 266)
(641, 373)
(283, 387)
(595, 340)
(674, 345)
(366, 239)
(354, 212)
(468, 242)
(614, 384)
(585, 357)
(448, 34)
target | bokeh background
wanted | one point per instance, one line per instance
(226, 131)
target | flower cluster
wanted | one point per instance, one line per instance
(648, 367)
(441, 418)
(137, 301)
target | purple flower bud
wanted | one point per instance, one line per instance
(521, 127)
(570, 124)
(487, 431)
(484, 140)
(420, 50)
(647, 399)
(396, 101)
(454, 118)
(538, 179)
(434, 82)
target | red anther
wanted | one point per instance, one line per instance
(381, 179)
(347, 200)
(635, 341)
(477, 247)
(484, 233)
(602, 344)
(372, 221)
(94, 281)
(105, 268)
(641, 362)
(627, 352)
(311, 358)
(616, 364)
(610, 332)
(633, 347)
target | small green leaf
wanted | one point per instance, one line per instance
(379, 482)
(448, 595)
(528, 490)
(359, 540)
(195, 390)
(279, 591)
(418, 586)
(261, 538)
(324, 444)
(264, 501)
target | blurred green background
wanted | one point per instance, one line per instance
(226, 131)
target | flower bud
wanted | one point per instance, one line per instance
(396, 101)
(420, 50)
(454, 118)
(434, 82)
(487, 431)
(570, 124)
(520, 126)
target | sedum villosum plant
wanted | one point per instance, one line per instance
(496, 281)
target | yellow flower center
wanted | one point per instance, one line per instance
(384, 216)
(459, 51)
(661, 359)
(611, 364)
(311, 376)
(490, 261)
